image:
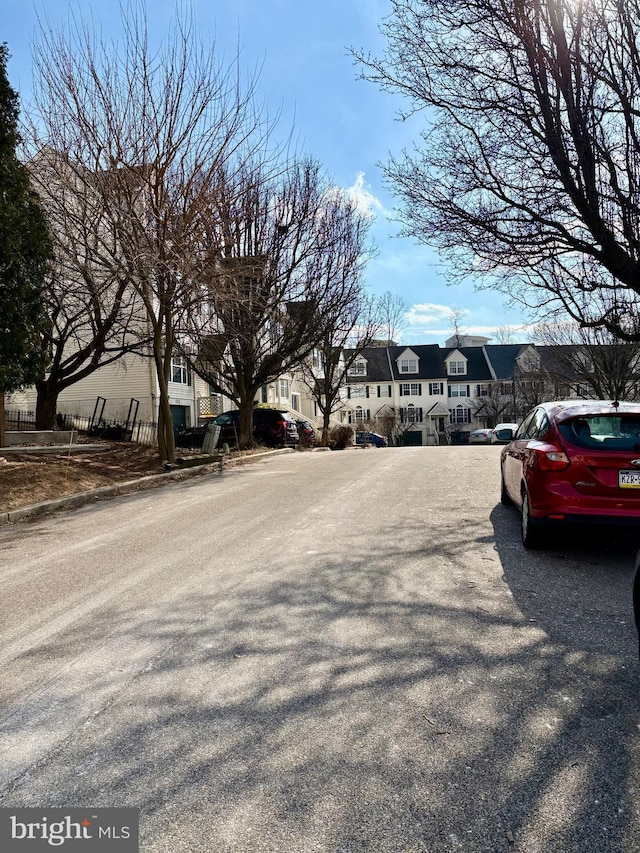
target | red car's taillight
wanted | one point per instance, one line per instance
(551, 458)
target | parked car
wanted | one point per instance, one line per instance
(307, 433)
(363, 437)
(573, 461)
(459, 437)
(190, 436)
(504, 437)
(480, 436)
(272, 427)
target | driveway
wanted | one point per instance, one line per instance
(324, 652)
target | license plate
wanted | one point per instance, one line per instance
(629, 479)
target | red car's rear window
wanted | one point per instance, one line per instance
(603, 432)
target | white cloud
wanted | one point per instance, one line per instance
(429, 314)
(430, 322)
(360, 194)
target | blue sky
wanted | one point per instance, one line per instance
(302, 48)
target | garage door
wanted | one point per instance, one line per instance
(179, 415)
(413, 438)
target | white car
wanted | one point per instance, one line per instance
(494, 437)
(481, 436)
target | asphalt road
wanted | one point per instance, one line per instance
(324, 652)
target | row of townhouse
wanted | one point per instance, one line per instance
(423, 393)
(420, 394)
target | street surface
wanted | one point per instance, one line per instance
(324, 652)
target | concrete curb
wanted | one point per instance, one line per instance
(17, 449)
(151, 481)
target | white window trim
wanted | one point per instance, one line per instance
(457, 388)
(358, 368)
(179, 365)
(408, 365)
(454, 365)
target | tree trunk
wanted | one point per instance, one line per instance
(162, 361)
(326, 415)
(166, 439)
(3, 437)
(46, 404)
(245, 436)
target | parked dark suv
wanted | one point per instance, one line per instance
(272, 427)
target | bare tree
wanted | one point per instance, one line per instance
(587, 362)
(346, 334)
(285, 252)
(530, 387)
(387, 425)
(457, 315)
(93, 316)
(151, 130)
(529, 172)
(496, 405)
(504, 335)
(393, 309)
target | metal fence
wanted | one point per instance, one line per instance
(141, 432)
(19, 420)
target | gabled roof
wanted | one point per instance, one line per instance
(559, 359)
(503, 358)
(477, 368)
(378, 369)
(382, 363)
(437, 409)
(430, 362)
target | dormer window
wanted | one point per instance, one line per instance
(358, 368)
(457, 368)
(408, 365)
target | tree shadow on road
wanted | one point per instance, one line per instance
(466, 695)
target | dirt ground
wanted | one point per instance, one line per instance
(28, 478)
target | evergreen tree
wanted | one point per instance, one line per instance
(25, 251)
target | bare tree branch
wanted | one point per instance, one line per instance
(285, 252)
(528, 172)
(587, 362)
(145, 134)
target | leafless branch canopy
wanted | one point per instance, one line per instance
(133, 139)
(393, 309)
(576, 357)
(285, 252)
(528, 174)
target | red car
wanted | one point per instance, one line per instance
(573, 461)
